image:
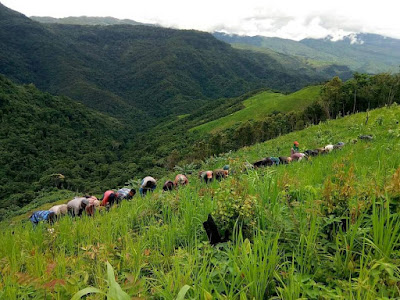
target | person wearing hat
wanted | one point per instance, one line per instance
(93, 202)
(148, 184)
(207, 176)
(180, 179)
(295, 148)
(77, 205)
(59, 210)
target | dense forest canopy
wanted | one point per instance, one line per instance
(139, 72)
(143, 89)
(42, 135)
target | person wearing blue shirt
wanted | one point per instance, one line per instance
(42, 215)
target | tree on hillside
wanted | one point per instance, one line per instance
(331, 95)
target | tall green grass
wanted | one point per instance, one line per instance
(327, 228)
(261, 105)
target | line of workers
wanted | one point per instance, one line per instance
(76, 206)
(88, 204)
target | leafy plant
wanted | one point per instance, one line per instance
(114, 291)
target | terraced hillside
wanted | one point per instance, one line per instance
(261, 105)
(327, 228)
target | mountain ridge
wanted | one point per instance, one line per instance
(144, 71)
(362, 52)
(85, 20)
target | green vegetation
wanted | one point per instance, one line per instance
(263, 104)
(43, 136)
(362, 52)
(139, 73)
(327, 228)
(337, 98)
(83, 20)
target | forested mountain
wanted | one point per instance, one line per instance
(42, 136)
(361, 52)
(83, 20)
(49, 142)
(123, 68)
(135, 80)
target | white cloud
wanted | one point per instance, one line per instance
(292, 19)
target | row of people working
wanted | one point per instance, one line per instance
(76, 206)
(89, 204)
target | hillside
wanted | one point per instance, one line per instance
(42, 136)
(83, 20)
(259, 106)
(141, 73)
(325, 228)
(360, 52)
(101, 152)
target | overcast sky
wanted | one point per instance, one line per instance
(293, 19)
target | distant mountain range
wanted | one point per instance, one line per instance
(130, 78)
(141, 72)
(143, 88)
(362, 52)
(83, 20)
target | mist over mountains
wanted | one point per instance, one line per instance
(139, 71)
(361, 52)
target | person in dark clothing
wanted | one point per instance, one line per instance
(311, 152)
(265, 162)
(366, 137)
(220, 174)
(338, 146)
(168, 186)
(108, 199)
(207, 176)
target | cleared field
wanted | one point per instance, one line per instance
(261, 105)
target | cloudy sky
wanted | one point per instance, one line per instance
(293, 19)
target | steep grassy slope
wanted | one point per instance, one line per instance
(261, 105)
(319, 229)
